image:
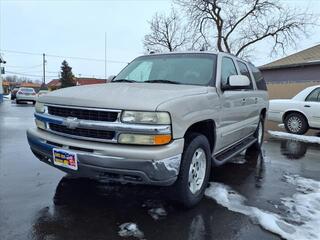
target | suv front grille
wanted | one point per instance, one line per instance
(85, 114)
(82, 132)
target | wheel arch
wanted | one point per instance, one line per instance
(263, 113)
(294, 111)
(206, 128)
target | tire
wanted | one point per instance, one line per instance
(190, 194)
(296, 123)
(259, 135)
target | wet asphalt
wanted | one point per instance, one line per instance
(40, 202)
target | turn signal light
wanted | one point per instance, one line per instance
(141, 139)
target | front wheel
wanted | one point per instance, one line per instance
(194, 170)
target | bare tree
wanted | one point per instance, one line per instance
(235, 26)
(168, 33)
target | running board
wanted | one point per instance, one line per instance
(226, 155)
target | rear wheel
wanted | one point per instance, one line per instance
(259, 135)
(194, 170)
(296, 123)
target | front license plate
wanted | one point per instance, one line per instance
(65, 159)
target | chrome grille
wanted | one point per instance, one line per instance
(84, 114)
(83, 132)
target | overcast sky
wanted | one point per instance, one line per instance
(64, 29)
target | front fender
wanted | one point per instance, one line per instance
(188, 110)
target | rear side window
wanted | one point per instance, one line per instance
(245, 71)
(228, 69)
(261, 83)
(314, 96)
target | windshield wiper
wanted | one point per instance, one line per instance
(124, 80)
(161, 81)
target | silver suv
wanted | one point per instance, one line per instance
(166, 119)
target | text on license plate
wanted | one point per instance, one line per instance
(65, 159)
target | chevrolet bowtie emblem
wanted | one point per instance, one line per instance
(71, 122)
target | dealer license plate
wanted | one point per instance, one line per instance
(65, 159)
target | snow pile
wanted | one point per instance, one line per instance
(130, 230)
(302, 218)
(157, 213)
(290, 136)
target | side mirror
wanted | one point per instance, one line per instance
(236, 82)
(110, 78)
(239, 81)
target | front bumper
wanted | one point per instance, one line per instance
(155, 165)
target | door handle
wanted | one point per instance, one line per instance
(256, 100)
(307, 106)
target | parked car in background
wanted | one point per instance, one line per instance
(300, 113)
(26, 95)
(13, 93)
(42, 92)
(164, 120)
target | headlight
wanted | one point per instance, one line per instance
(146, 117)
(39, 107)
(144, 139)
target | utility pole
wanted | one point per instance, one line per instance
(1, 88)
(44, 68)
(105, 56)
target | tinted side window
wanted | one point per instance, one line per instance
(228, 68)
(314, 96)
(261, 83)
(245, 71)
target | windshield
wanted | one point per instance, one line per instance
(190, 69)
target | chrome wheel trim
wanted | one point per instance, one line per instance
(197, 170)
(294, 124)
(260, 133)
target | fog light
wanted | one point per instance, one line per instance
(144, 139)
(40, 124)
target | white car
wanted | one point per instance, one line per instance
(300, 113)
(26, 95)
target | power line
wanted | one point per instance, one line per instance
(34, 66)
(28, 75)
(62, 56)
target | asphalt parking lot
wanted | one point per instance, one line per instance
(40, 202)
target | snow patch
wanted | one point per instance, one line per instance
(130, 230)
(157, 213)
(290, 136)
(300, 221)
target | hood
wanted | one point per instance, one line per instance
(130, 96)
